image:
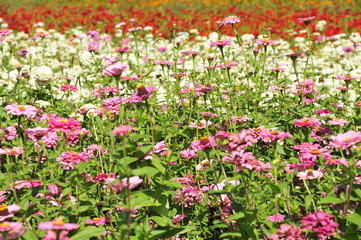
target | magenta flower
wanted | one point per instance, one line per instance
(266, 42)
(189, 195)
(320, 223)
(122, 130)
(18, 110)
(310, 174)
(20, 184)
(131, 182)
(307, 122)
(68, 88)
(5, 32)
(69, 159)
(346, 140)
(57, 224)
(97, 221)
(115, 69)
(208, 114)
(63, 124)
(288, 232)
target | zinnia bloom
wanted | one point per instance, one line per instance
(97, 221)
(346, 140)
(310, 174)
(57, 224)
(18, 110)
(122, 130)
(320, 223)
(288, 232)
(115, 69)
(131, 182)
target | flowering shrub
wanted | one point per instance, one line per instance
(133, 136)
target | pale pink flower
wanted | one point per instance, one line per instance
(201, 124)
(10, 226)
(131, 182)
(231, 20)
(8, 211)
(115, 69)
(338, 122)
(51, 235)
(203, 143)
(18, 110)
(221, 43)
(310, 174)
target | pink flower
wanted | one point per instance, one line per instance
(306, 20)
(69, 159)
(189, 195)
(164, 62)
(20, 184)
(320, 223)
(239, 119)
(179, 217)
(189, 153)
(221, 43)
(307, 122)
(288, 232)
(8, 211)
(276, 218)
(10, 226)
(51, 235)
(97, 221)
(231, 20)
(208, 114)
(93, 46)
(115, 69)
(310, 174)
(338, 122)
(201, 124)
(69, 88)
(57, 224)
(345, 78)
(63, 124)
(346, 140)
(18, 110)
(131, 182)
(203, 143)
(122, 130)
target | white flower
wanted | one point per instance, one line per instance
(42, 103)
(44, 73)
(86, 58)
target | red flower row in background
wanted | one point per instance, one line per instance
(255, 20)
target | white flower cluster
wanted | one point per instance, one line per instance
(44, 73)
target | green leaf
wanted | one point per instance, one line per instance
(174, 184)
(355, 218)
(88, 232)
(30, 235)
(330, 199)
(231, 234)
(161, 221)
(149, 171)
(237, 216)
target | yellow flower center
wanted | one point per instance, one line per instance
(309, 170)
(21, 108)
(346, 139)
(4, 225)
(3, 207)
(96, 219)
(64, 120)
(58, 222)
(315, 151)
(140, 86)
(13, 150)
(204, 138)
